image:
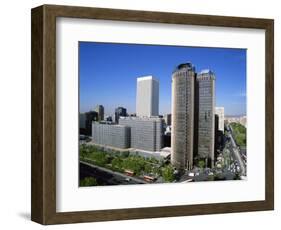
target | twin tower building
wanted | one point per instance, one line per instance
(193, 113)
(193, 117)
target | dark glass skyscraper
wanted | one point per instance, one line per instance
(100, 110)
(120, 112)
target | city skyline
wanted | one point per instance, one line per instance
(98, 73)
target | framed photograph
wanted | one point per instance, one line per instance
(139, 114)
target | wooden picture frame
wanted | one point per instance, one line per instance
(43, 208)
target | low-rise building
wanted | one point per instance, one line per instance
(117, 136)
(146, 132)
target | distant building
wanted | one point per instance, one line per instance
(167, 137)
(168, 119)
(108, 118)
(100, 110)
(206, 115)
(85, 122)
(167, 140)
(146, 133)
(220, 113)
(82, 120)
(147, 103)
(183, 85)
(238, 119)
(243, 121)
(216, 132)
(117, 136)
(120, 112)
(219, 137)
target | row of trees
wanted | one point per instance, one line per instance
(239, 132)
(124, 161)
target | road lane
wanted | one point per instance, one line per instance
(236, 153)
(107, 176)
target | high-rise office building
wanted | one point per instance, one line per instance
(183, 86)
(100, 110)
(85, 122)
(120, 112)
(220, 113)
(147, 103)
(205, 87)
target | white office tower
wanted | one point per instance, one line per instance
(147, 97)
(220, 113)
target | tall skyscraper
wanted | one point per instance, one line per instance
(220, 113)
(147, 96)
(183, 86)
(120, 112)
(100, 110)
(205, 81)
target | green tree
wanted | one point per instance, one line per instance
(239, 133)
(147, 168)
(201, 164)
(116, 164)
(168, 173)
(88, 181)
(125, 154)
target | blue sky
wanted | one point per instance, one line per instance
(108, 73)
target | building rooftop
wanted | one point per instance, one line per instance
(187, 65)
(206, 73)
(148, 77)
(153, 118)
(219, 108)
(109, 123)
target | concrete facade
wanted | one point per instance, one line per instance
(183, 85)
(146, 133)
(206, 116)
(147, 101)
(220, 113)
(111, 135)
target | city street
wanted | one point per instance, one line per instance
(236, 153)
(105, 176)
